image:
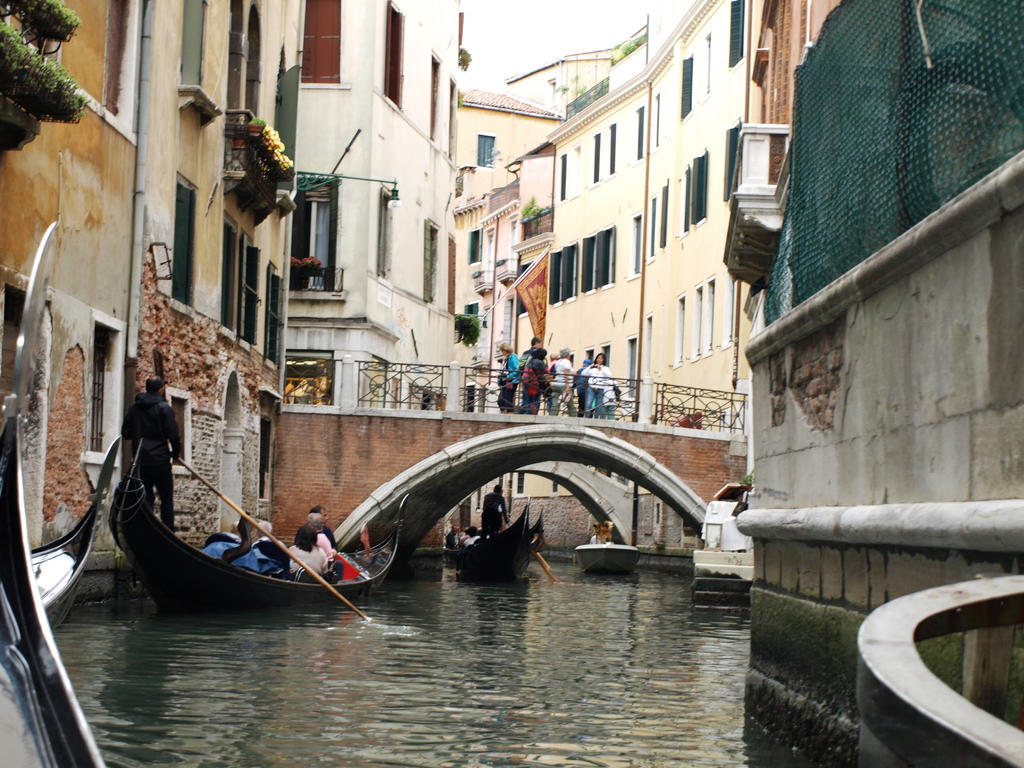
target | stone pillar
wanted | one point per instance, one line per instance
(454, 386)
(348, 384)
(231, 474)
(645, 407)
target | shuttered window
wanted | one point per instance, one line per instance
(474, 246)
(663, 238)
(597, 157)
(613, 129)
(687, 97)
(271, 348)
(393, 55)
(700, 188)
(554, 277)
(184, 243)
(687, 201)
(250, 293)
(640, 133)
(587, 265)
(564, 180)
(736, 32)
(604, 257)
(229, 278)
(192, 19)
(321, 48)
(568, 272)
(732, 145)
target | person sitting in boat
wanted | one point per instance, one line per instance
(318, 518)
(269, 549)
(316, 521)
(451, 539)
(472, 537)
(493, 514)
(306, 550)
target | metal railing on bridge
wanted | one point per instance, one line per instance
(420, 387)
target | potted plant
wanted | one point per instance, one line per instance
(467, 329)
(39, 85)
(306, 265)
(49, 19)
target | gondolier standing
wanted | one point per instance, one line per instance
(151, 427)
(494, 513)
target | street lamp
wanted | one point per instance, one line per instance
(307, 180)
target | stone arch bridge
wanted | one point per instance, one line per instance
(360, 463)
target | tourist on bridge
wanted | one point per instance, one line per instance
(149, 424)
(508, 379)
(602, 389)
(494, 513)
(582, 388)
(562, 395)
(534, 378)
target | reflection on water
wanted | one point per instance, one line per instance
(597, 672)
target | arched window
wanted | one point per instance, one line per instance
(236, 55)
(252, 65)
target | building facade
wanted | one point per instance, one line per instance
(372, 240)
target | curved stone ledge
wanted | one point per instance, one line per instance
(957, 221)
(981, 526)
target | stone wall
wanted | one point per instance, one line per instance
(905, 470)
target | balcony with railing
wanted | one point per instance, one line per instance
(506, 270)
(323, 279)
(757, 202)
(538, 224)
(483, 280)
(586, 98)
(252, 166)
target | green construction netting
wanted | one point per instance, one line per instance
(880, 140)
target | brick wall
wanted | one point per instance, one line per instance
(66, 485)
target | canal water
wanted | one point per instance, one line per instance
(602, 672)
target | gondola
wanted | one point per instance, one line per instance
(180, 577)
(58, 566)
(501, 557)
(43, 722)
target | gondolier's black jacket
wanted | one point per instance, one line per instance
(151, 419)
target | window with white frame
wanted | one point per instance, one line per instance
(575, 170)
(640, 133)
(709, 322)
(485, 150)
(613, 130)
(506, 325)
(631, 371)
(707, 65)
(648, 345)
(680, 329)
(597, 158)
(728, 329)
(563, 176)
(637, 242)
(653, 228)
(698, 320)
(657, 120)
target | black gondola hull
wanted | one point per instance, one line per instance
(180, 577)
(502, 557)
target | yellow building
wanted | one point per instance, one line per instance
(498, 183)
(642, 179)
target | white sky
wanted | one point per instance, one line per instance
(511, 37)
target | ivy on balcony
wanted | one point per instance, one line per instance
(37, 84)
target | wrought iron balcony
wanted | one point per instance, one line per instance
(327, 279)
(251, 168)
(483, 280)
(586, 98)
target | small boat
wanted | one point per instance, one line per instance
(501, 557)
(42, 721)
(607, 557)
(58, 566)
(180, 577)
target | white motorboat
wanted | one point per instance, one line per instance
(607, 557)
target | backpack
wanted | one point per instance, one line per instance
(533, 376)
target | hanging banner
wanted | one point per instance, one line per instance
(532, 289)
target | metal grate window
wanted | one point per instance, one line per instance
(100, 356)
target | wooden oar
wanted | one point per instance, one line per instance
(280, 545)
(545, 566)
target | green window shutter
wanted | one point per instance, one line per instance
(664, 217)
(251, 295)
(702, 187)
(474, 246)
(555, 277)
(732, 145)
(273, 314)
(225, 275)
(687, 99)
(613, 129)
(287, 115)
(184, 223)
(569, 271)
(587, 269)
(597, 157)
(687, 202)
(192, 42)
(736, 32)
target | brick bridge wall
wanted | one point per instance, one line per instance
(338, 459)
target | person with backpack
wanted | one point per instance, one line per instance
(534, 379)
(508, 379)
